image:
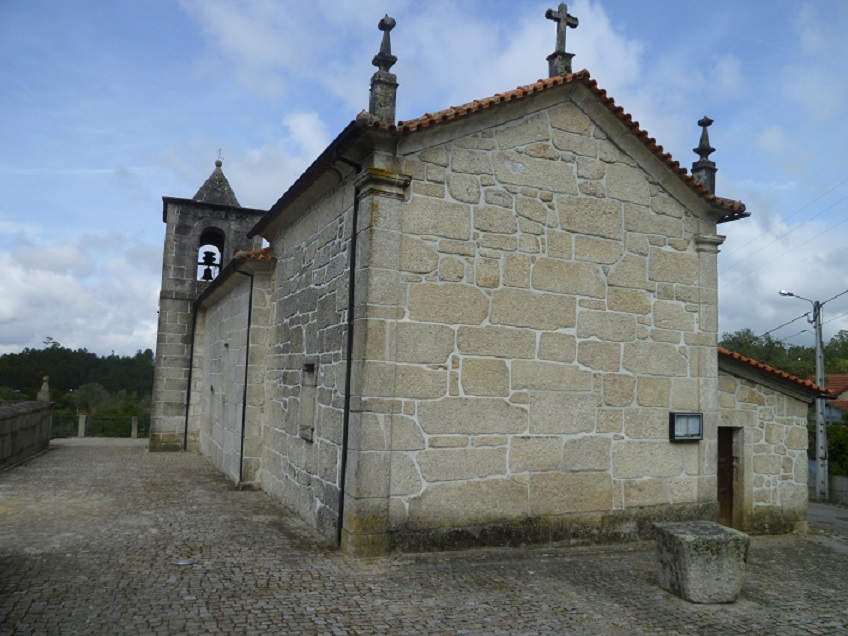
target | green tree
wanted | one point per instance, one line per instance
(69, 369)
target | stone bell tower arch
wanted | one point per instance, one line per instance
(201, 235)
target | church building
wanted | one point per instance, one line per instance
(493, 324)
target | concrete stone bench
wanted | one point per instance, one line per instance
(702, 561)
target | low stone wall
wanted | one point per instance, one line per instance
(24, 431)
(839, 490)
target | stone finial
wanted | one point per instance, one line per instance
(44, 391)
(383, 99)
(559, 62)
(704, 170)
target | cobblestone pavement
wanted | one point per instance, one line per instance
(90, 533)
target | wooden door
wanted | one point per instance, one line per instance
(725, 475)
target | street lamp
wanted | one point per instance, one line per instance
(821, 430)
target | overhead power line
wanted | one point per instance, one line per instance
(837, 318)
(791, 249)
(785, 324)
(785, 234)
(795, 213)
(795, 334)
(805, 316)
(835, 297)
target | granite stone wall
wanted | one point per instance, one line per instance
(538, 305)
(771, 493)
(304, 388)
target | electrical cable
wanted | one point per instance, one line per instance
(785, 234)
(783, 254)
(796, 212)
(836, 318)
(785, 324)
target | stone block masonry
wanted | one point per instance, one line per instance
(188, 221)
(545, 303)
(302, 395)
(772, 451)
(24, 431)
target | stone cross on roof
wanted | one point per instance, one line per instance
(559, 62)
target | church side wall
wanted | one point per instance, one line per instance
(217, 395)
(771, 491)
(302, 427)
(556, 303)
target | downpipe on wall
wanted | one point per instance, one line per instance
(349, 367)
(246, 369)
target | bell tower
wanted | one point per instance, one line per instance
(201, 235)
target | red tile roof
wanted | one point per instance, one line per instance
(264, 254)
(837, 382)
(807, 384)
(735, 209)
(842, 405)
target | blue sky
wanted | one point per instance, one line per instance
(108, 106)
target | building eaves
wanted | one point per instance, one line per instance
(255, 260)
(809, 385)
(325, 160)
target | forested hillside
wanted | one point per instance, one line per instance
(69, 370)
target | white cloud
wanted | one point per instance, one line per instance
(727, 78)
(100, 294)
(271, 46)
(762, 255)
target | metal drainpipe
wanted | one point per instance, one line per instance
(190, 369)
(246, 369)
(351, 288)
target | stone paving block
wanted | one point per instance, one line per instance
(89, 531)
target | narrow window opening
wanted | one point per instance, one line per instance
(308, 394)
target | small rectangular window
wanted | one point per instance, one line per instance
(683, 427)
(308, 394)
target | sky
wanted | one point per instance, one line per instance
(107, 106)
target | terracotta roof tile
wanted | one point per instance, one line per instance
(842, 405)
(837, 382)
(735, 209)
(264, 254)
(808, 384)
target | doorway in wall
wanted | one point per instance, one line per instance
(727, 474)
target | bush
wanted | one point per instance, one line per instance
(837, 449)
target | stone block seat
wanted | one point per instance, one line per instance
(701, 561)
